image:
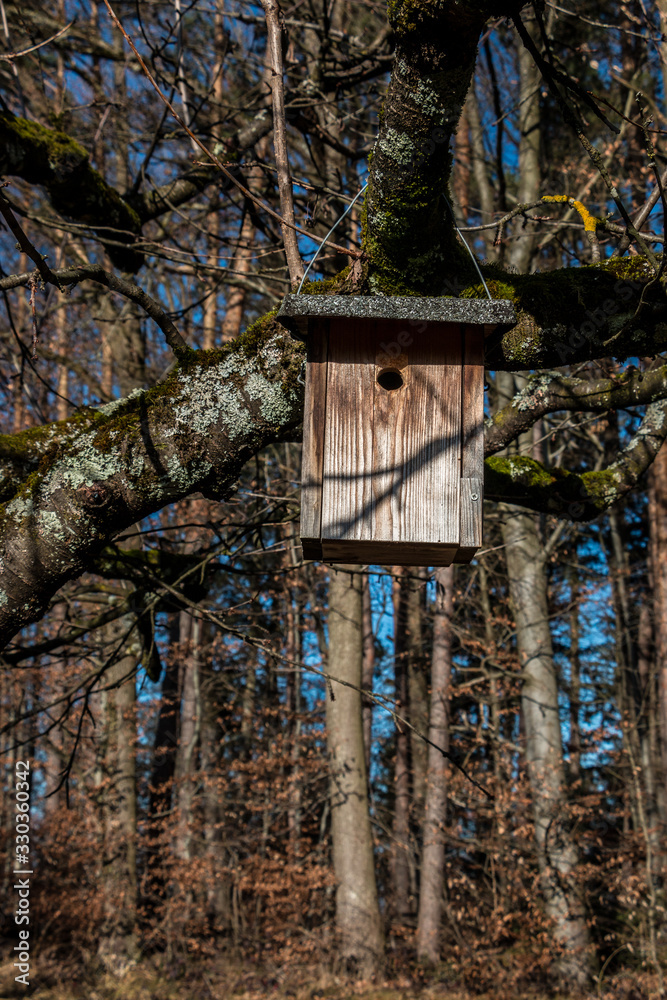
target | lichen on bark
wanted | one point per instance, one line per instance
(408, 236)
(111, 467)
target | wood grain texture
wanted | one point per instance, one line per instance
(417, 442)
(392, 461)
(473, 402)
(389, 474)
(471, 519)
(347, 498)
(312, 455)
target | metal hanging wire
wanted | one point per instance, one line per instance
(354, 200)
(474, 259)
(316, 254)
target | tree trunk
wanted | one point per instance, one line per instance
(433, 856)
(529, 146)
(575, 677)
(118, 944)
(556, 853)
(189, 732)
(367, 669)
(218, 889)
(357, 913)
(658, 522)
(400, 854)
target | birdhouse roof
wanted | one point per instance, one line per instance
(296, 310)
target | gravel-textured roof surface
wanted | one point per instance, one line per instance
(296, 310)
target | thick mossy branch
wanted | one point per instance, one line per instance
(20, 456)
(53, 159)
(577, 496)
(103, 470)
(77, 191)
(550, 393)
(578, 314)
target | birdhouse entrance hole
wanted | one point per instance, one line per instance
(390, 379)
(393, 457)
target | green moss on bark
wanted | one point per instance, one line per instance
(579, 496)
(53, 159)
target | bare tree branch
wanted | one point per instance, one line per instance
(24, 243)
(550, 393)
(274, 53)
(211, 155)
(92, 272)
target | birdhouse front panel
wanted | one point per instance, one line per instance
(392, 443)
(393, 429)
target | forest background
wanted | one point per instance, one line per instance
(216, 807)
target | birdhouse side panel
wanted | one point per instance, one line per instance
(472, 460)
(312, 456)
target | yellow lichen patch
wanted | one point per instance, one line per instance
(589, 220)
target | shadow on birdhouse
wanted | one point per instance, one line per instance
(393, 450)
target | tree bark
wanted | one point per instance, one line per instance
(556, 852)
(189, 731)
(358, 921)
(367, 669)
(400, 852)
(118, 943)
(433, 856)
(658, 529)
(530, 174)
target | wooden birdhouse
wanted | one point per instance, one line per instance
(393, 457)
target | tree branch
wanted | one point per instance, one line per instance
(24, 243)
(92, 272)
(548, 394)
(103, 470)
(274, 53)
(578, 496)
(569, 316)
(44, 156)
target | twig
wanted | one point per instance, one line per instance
(92, 272)
(8, 56)
(213, 158)
(589, 220)
(499, 226)
(650, 150)
(605, 224)
(551, 76)
(274, 54)
(24, 243)
(32, 284)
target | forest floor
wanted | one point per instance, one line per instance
(210, 982)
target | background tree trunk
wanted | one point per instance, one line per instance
(400, 852)
(357, 913)
(658, 523)
(433, 856)
(556, 853)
